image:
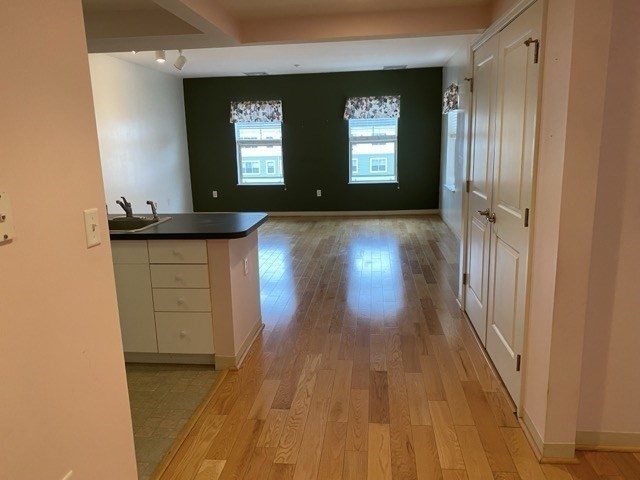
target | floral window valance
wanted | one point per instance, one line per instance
(451, 98)
(372, 107)
(256, 111)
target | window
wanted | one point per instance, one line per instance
(259, 153)
(250, 168)
(271, 167)
(373, 142)
(378, 165)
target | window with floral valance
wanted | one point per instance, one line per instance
(256, 111)
(258, 131)
(372, 107)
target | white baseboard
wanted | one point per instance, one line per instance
(547, 452)
(355, 213)
(608, 441)
(234, 362)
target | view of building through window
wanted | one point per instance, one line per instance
(373, 146)
(259, 153)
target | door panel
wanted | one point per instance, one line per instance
(480, 177)
(515, 133)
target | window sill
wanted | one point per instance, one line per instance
(391, 182)
(261, 184)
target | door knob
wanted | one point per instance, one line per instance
(492, 218)
(486, 212)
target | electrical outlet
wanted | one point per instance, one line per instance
(318, 193)
(215, 194)
(91, 227)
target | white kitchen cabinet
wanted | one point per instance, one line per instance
(135, 305)
(164, 298)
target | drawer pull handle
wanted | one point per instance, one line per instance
(176, 252)
(183, 333)
(180, 301)
(179, 277)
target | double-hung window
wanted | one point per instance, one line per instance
(258, 132)
(373, 138)
(373, 145)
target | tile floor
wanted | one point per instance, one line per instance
(162, 399)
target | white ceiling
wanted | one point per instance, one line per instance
(310, 57)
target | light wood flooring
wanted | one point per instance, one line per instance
(366, 369)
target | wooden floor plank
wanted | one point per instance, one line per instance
(355, 466)
(449, 450)
(262, 404)
(523, 457)
(358, 423)
(427, 461)
(379, 454)
(378, 397)
(333, 451)
(210, 470)
(475, 460)
(418, 401)
(339, 407)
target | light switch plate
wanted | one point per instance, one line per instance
(92, 229)
(7, 231)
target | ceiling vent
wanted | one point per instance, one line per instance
(394, 67)
(255, 74)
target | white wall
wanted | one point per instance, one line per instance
(455, 71)
(610, 389)
(142, 134)
(63, 393)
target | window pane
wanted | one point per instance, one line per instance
(373, 146)
(376, 162)
(259, 149)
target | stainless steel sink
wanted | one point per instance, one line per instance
(134, 224)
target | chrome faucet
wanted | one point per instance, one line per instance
(154, 208)
(126, 206)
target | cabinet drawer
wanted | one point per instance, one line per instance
(129, 251)
(181, 300)
(177, 251)
(180, 276)
(184, 332)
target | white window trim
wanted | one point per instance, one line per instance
(240, 160)
(386, 165)
(375, 139)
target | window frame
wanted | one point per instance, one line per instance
(375, 139)
(243, 162)
(240, 143)
(270, 163)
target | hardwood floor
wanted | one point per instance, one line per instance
(366, 369)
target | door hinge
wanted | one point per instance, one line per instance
(467, 186)
(526, 217)
(470, 80)
(465, 279)
(536, 52)
(518, 361)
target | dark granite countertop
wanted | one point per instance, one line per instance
(196, 226)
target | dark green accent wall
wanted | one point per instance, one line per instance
(315, 141)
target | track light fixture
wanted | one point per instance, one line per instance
(160, 56)
(180, 61)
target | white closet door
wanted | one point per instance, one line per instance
(515, 137)
(485, 79)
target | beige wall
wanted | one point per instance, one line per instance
(142, 135)
(610, 390)
(63, 395)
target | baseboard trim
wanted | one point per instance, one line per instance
(546, 452)
(608, 441)
(177, 358)
(353, 213)
(234, 362)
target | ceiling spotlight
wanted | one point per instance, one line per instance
(160, 57)
(180, 61)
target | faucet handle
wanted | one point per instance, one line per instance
(154, 208)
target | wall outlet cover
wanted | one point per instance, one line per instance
(318, 193)
(92, 228)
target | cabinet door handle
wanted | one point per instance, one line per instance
(183, 333)
(181, 301)
(179, 277)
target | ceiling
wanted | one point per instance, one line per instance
(145, 25)
(309, 57)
